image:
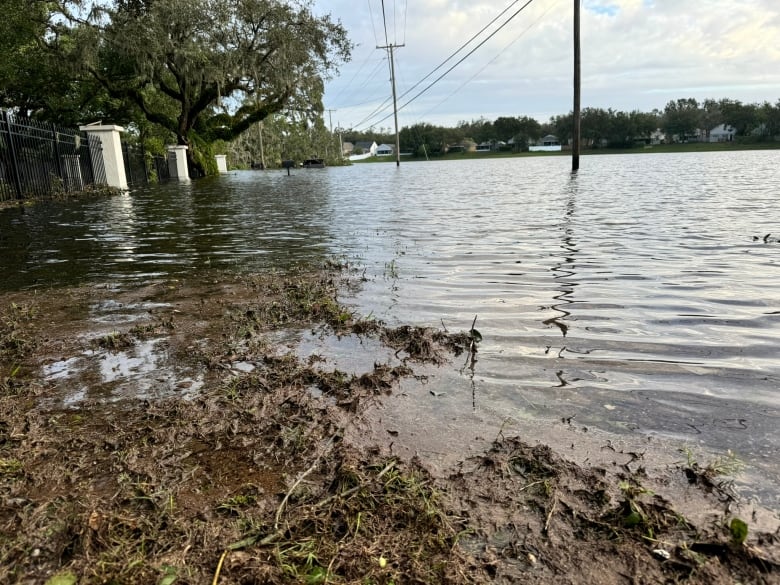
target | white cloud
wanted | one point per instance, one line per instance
(637, 54)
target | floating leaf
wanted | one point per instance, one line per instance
(739, 530)
(63, 579)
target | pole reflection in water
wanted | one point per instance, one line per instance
(564, 272)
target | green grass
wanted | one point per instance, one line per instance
(649, 149)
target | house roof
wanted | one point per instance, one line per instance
(722, 129)
(365, 144)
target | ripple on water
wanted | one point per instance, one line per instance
(640, 275)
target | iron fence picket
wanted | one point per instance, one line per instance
(40, 159)
(141, 168)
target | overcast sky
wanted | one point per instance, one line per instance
(636, 54)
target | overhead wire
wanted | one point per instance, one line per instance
(373, 73)
(387, 47)
(466, 56)
(384, 22)
(379, 108)
(493, 60)
(462, 46)
(373, 26)
(383, 104)
(406, 14)
(360, 69)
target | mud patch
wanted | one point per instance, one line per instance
(215, 432)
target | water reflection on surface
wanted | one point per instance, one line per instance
(643, 283)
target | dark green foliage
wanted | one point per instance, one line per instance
(215, 67)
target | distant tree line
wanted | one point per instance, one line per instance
(681, 120)
(247, 77)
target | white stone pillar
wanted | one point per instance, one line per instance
(113, 161)
(177, 163)
(221, 162)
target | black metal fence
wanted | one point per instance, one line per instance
(39, 159)
(142, 168)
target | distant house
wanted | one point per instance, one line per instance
(657, 136)
(468, 145)
(361, 150)
(484, 147)
(549, 143)
(722, 133)
(384, 150)
(365, 147)
(347, 148)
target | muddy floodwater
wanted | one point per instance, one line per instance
(640, 296)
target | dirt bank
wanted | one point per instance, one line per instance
(172, 433)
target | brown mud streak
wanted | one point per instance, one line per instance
(117, 489)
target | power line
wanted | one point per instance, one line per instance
(366, 80)
(406, 14)
(501, 52)
(466, 56)
(390, 48)
(384, 21)
(379, 108)
(372, 100)
(463, 46)
(373, 26)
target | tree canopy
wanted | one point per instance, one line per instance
(199, 69)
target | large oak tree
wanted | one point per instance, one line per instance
(204, 69)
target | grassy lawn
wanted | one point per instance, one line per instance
(654, 149)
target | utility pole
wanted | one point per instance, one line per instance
(390, 48)
(330, 119)
(341, 144)
(330, 123)
(575, 147)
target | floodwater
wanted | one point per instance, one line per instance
(640, 295)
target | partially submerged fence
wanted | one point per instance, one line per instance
(141, 167)
(38, 159)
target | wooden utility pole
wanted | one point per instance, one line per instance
(575, 146)
(330, 120)
(390, 47)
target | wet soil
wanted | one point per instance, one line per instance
(174, 433)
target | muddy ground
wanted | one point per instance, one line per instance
(172, 434)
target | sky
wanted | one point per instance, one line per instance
(636, 55)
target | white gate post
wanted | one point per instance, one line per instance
(177, 163)
(113, 161)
